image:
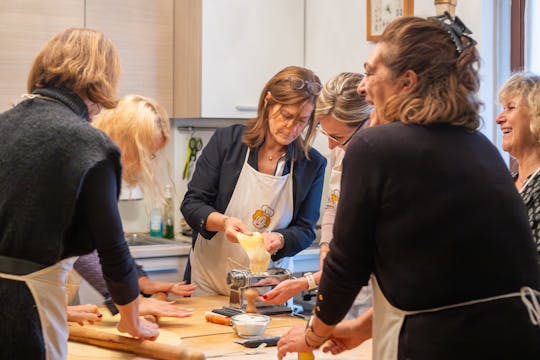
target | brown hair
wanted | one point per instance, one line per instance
(81, 60)
(447, 80)
(526, 86)
(340, 98)
(135, 125)
(285, 94)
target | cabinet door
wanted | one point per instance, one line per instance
(142, 31)
(25, 26)
(244, 43)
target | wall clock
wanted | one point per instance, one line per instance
(381, 12)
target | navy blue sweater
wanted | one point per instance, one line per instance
(217, 172)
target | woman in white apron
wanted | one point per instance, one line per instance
(60, 181)
(261, 177)
(428, 207)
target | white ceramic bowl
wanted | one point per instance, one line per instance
(247, 325)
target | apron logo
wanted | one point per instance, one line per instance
(334, 196)
(261, 217)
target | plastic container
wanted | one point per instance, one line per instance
(156, 223)
(249, 325)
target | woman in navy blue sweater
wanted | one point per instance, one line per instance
(260, 177)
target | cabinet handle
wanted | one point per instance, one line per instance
(246, 108)
(163, 268)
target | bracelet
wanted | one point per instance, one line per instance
(311, 281)
(309, 333)
(281, 240)
(308, 344)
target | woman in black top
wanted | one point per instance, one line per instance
(430, 211)
(59, 181)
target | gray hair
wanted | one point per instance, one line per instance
(340, 98)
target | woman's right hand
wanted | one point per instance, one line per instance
(284, 291)
(133, 325)
(233, 227)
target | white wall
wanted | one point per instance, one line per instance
(336, 41)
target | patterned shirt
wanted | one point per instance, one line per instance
(531, 197)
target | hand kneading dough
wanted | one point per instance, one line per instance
(253, 245)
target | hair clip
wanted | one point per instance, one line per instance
(457, 30)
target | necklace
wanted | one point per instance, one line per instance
(270, 157)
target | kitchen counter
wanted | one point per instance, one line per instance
(199, 335)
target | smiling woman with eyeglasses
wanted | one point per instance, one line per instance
(263, 176)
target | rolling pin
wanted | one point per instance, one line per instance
(163, 296)
(128, 344)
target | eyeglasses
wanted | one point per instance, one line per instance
(346, 141)
(313, 87)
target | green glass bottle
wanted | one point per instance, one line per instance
(168, 215)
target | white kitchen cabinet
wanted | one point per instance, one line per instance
(241, 45)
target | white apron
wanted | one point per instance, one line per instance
(387, 319)
(48, 287)
(263, 202)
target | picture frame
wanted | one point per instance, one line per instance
(381, 12)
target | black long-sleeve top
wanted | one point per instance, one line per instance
(98, 206)
(433, 213)
(59, 183)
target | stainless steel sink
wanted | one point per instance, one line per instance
(138, 239)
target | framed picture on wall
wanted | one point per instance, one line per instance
(382, 12)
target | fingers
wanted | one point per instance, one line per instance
(145, 331)
(183, 289)
(334, 346)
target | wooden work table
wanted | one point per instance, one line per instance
(198, 334)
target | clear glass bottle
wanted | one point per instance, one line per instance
(168, 215)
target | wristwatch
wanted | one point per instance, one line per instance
(311, 281)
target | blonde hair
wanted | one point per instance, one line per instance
(534, 105)
(447, 80)
(84, 61)
(526, 86)
(284, 94)
(340, 98)
(137, 125)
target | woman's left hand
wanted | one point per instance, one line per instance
(293, 341)
(150, 306)
(272, 242)
(182, 289)
(82, 313)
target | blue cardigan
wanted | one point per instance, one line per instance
(217, 172)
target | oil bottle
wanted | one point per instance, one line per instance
(168, 215)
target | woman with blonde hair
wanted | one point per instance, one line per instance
(429, 212)
(267, 164)
(520, 125)
(141, 128)
(61, 179)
